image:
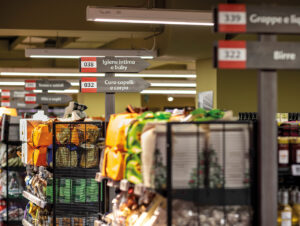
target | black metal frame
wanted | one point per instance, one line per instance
(7, 169)
(87, 173)
(242, 196)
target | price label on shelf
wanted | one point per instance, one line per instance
(30, 98)
(232, 54)
(124, 185)
(89, 85)
(232, 18)
(296, 170)
(30, 84)
(88, 64)
(139, 189)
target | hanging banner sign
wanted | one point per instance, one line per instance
(47, 98)
(5, 93)
(112, 64)
(257, 55)
(112, 85)
(47, 84)
(241, 18)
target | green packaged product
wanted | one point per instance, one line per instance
(133, 144)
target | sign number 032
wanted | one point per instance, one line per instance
(87, 85)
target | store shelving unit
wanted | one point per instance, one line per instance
(9, 140)
(203, 193)
(78, 194)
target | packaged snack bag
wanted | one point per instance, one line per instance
(113, 165)
(41, 135)
(118, 123)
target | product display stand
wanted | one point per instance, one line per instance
(8, 141)
(206, 191)
(78, 196)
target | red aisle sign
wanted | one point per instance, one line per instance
(232, 54)
(30, 98)
(88, 85)
(30, 84)
(88, 64)
(232, 18)
(5, 103)
(5, 93)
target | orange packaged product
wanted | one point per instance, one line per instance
(40, 156)
(113, 164)
(118, 123)
(41, 135)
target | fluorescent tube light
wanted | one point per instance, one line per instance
(77, 53)
(12, 83)
(168, 92)
(149, 16)
(59, 91)
(156, 75)
(40, 74)
(54, 74)
(154, 84)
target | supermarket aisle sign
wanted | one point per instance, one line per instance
(47, 98)
(112, 64)
(241, 18)
(112, 85)
(47, 84)
(257, 55)
(17, 104)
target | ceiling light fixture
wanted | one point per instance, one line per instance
(161, 84)
(77, 53)
(149, 16)
(156, 75)
(54, 74)
(59, 91)
(170, 99)
(12, 83)
(168, 92)
(41, 74)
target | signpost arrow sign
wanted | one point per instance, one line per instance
(47, 84)
(18, 104)
(47, 98)
(257, 55)
(112, 64)
(241, 18)
(113, 85)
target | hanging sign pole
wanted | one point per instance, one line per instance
(267, 56)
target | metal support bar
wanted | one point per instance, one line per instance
(108, 193)
(45, 107)
(267, 143)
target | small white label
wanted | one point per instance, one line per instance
(286, 219)
(283, 156)
(89, 85)
(5, 93)
(124, 185)
(88, 64)
(298, 156)
(234, 18)
(5, 104)
(30, 85)
(296, 170)
(232, 54)
(139, 189)
(30, 99)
